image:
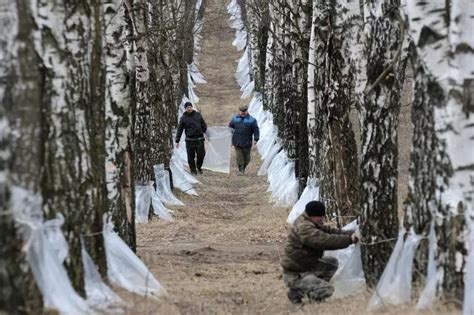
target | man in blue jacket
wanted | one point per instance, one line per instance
(245, 127)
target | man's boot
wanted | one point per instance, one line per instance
(295, 296)
(193, 172)
(241, 170)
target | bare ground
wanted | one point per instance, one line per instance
(221, 254)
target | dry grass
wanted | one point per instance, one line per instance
(221, 254)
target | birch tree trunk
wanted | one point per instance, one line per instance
(73, 180)
(442, 35)
(276, 83)
(314, 119)
(20, 147)
(334, 151)
(257, 27)
(300, 13)
(146, 153)
(384, 40)
(270, 61)
(120, 107)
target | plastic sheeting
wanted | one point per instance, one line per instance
(196, 75)
(268, 157)
(49, 272)
(142, 203)
(310, 193)
(99, 295)
(285, 186)
(55, 236)
(394, 286)
(126, 270)
(146, 196)
(240, 40)
(247, 89)
(428, 295)
(349, 278)
(163, 188)
(218, 151)
(181, 178)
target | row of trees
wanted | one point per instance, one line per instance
(313, 61)
(88, 98)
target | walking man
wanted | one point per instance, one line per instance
(244, 126)
(306, 271)
(194, 126)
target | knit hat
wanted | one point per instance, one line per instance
(243, 108)
(187, 104)
(315, 209)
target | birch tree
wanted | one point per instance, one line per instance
(146, 152)
(333, 150)
(442, 160)
(297, 105)
(160, 78)
(20, 148)
(73, 182)
(120, 109)
(384, 42)
(257, 24)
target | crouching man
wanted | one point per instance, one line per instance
(306, 271)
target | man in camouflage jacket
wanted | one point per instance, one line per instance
(306, 271)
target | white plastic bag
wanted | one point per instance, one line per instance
(310, 193)
(218, 151)
(158, 207)
(55, 236)
(394, 286)
(146, 196)
(196, 75)
(180, 180)
(287, 194)
(268, 158)
(142, 203)
(247, 90)
(428, 295)
(276, 165)
(163, 188)
(350, 278)
(99, 295)
(50, 274)
(126, 270)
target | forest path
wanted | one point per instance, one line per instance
(221, 255)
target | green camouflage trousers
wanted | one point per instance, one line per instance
(242, 156)
(312, 284)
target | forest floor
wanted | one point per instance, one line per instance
(221, 254)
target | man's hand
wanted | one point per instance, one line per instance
(354, 239)
(177, 145)
(255, 142)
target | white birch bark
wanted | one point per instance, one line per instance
(379, 122)
(14, 272)
(312, 106)
(68, 42)
(444, 41)
(119, 67)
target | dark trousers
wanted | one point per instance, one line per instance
(242, 156)
(315, 283)
(195, 148)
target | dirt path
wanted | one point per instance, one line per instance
(221, 254)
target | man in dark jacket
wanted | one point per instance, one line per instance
(306, 271)
(194, 126)
(245, 126)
